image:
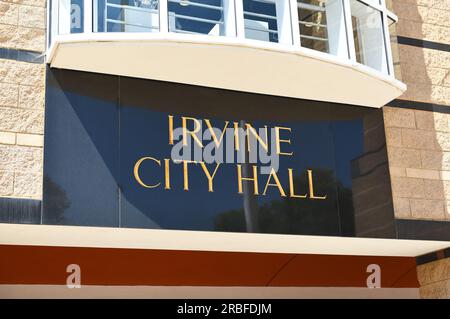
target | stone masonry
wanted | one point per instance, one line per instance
(434, 279)
(419, 141)
(22, 27)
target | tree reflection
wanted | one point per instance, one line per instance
(294, 215)
(56, 202)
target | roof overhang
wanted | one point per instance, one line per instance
(226, 63)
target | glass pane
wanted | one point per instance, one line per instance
(81, 140)
(70, 16)
(197, 17)
(368, 36)
(126, 16)
(322, 26)
(260, 20)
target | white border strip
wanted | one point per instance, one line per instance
(178, 292)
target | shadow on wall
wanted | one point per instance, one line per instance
(414, 70)
(419, 141)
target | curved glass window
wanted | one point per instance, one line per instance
(356, 31)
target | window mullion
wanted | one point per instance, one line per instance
(349, 30)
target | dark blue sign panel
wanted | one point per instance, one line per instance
(136, 153)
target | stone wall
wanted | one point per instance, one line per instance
(22, 29)
(434, 279)
(419, 141)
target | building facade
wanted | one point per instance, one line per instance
(351, 97)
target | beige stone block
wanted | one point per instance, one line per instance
(22, 38)
(437, 16)
(437, 290)
(432, 121)
(6, 183)
(397, 117)
(397, 171)
(440, 94)
(423, 57)
(418, 92)
(394, 136)
(433, 189)
(410, 12)
(435, 271)
(9, 13)
(7, 138)
(435, 160)
(422, 173)
(419, 139)
(30, 139)
(31, 17)
(20, 158)
(422, 75)
(30, 39)
(427, 209)
(443, 141)
(22, 120)
(441, 122)
(7, 35)
(28, 185)
(438, 4)
(31, 97)
(9, 94)
(407, 187)
(402, 157)
(401, 207)
(436, 58)
(34, 3)
(21, 73)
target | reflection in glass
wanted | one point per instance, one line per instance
(198, 17)
(322, 26)
(260, 20)
(368, 35)
(126, 16)
(70, 16)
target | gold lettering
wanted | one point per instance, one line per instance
(185, 174)
(136, 171)
(278, 140)
(251, 129)
(277, 183)
(166, 173)
(236, 136)
(311, 187)
(193, 133)
(213, 134)
(170, 129)
(291, 186)
(254, 179)
(209, 176)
